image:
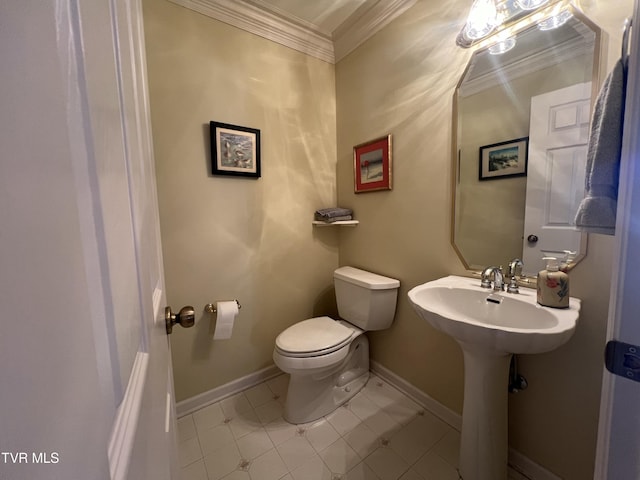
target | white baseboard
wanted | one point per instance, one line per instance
(528, 468)
(445, 414)
(520, 467)
(214, 395)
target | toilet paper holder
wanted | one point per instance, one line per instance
(211, 308)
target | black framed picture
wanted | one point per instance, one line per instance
(504, 159)
(235, 150)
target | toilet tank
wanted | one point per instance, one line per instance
(365, 299)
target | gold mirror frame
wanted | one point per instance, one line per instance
(516, 28)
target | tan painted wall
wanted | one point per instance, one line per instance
(229, 237)
(401, 82)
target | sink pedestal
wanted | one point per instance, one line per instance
(490, 327)
(483, 444)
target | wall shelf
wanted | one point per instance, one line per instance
(339, 223)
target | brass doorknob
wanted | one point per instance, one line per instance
(186, 318)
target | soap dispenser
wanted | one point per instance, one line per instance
(553, 285)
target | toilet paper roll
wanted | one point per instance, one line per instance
(226, 313)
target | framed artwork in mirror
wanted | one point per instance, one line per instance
(504, 159)
(372, 165)
(235, 150)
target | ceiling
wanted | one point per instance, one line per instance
(325, 29)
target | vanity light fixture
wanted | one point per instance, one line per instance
(482, 20)
(555, 21)
(530, 4)
(487, 17)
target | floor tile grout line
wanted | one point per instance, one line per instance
(201, 457)
(317, 452)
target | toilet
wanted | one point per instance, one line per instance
(328, 359)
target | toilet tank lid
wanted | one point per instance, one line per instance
(365, 279)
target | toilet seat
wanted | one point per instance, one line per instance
(314, 337)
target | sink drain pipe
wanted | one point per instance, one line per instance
(516, 381)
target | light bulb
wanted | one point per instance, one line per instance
(482, 19)
(503, 46)
(555, 21)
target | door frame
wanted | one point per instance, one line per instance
(618, 446)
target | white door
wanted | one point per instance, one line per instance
(618, 452)
(85, 383)
(555, 175)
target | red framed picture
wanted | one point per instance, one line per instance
(372, 165)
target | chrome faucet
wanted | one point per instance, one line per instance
(513, 269)
(495, 274)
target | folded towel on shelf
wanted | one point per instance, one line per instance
(334, 214)
(597, 211)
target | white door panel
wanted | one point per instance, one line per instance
(555, 175)
(89, 393)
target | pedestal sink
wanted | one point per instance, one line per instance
(489, 327)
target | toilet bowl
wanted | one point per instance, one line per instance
(328, 359)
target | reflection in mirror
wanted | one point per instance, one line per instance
(510, 200)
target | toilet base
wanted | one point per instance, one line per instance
(311, 397)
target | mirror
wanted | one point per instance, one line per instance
(520, 130)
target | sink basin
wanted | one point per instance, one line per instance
(489, 327)
(498, 321)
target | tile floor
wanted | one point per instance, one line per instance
(380, 434)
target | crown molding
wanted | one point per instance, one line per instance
(365, 22)
(266, 24)
(266, 21)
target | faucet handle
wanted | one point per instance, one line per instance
(513, 266)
